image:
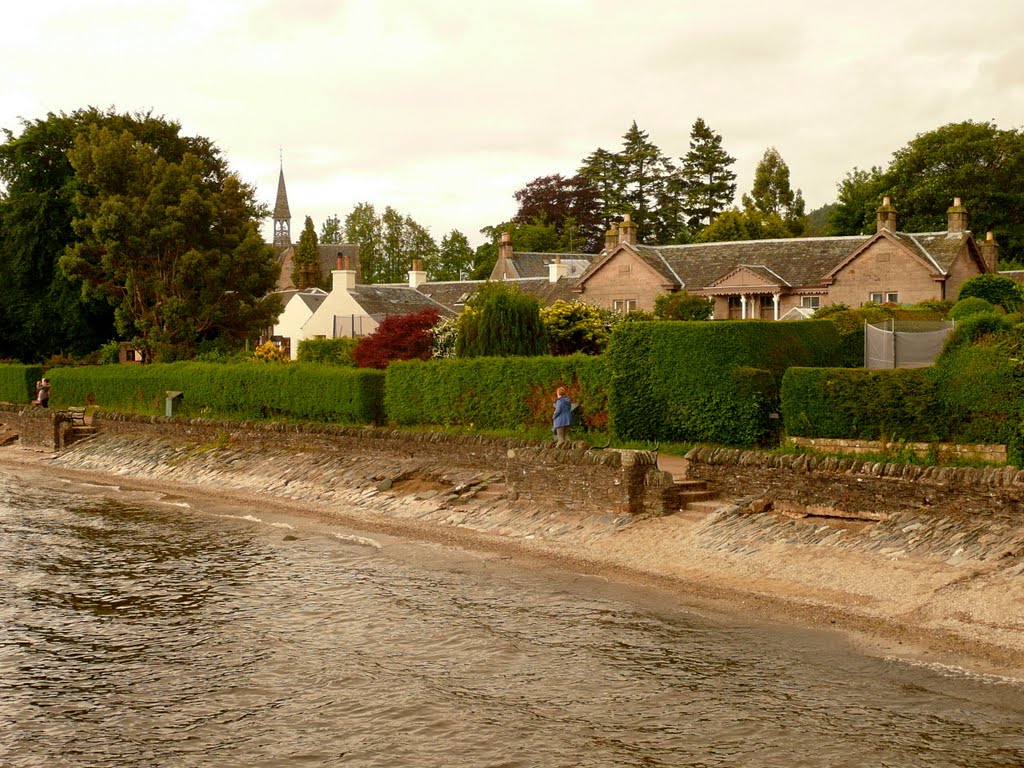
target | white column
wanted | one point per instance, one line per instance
(775, 299)
(743, 306)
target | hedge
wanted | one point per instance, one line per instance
(494, 392)
(248, 391)
(18, 382)
(862, 404)
(708, 381)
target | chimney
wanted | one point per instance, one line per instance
(502, 268)
(885, 216)
(627, 230)
(990, 252)
(344, 277)
(417, 275)
(611, 237)
(956, 217)
(556, 270)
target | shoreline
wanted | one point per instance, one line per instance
(653, 553)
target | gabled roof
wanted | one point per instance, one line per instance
(940, 248)
(377, 300)
(453, 294)
(524, 265)
(328, 255)
(765, 276)
(312, 300)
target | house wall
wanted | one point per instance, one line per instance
(884, 267)
(962, 268)
(624, 277)
(339, 303)
(291, 321)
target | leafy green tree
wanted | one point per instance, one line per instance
(574, 326)
(501, 321)
(362, 226)
(306, 262)
(173, 246)
(772, 193)
(42, 311)
(454, 258)
(603, 171)
(860, 194)
(995, 289)
(645, 174)
(388, 243)
(748, 224)
(567, 204)
(683, 306)
(332, 231)
(709, 184)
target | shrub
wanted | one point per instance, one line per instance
(972, 305)
(398, 337)
(683, 306)
(501, 321)
(338, 351)
(269, 352)
(494, 392)
(974, 327)
(574, 326)
(243, 391)
(995, 289)
(681, 382)
(18, 382)
(446, 337)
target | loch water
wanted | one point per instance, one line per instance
(139, 630)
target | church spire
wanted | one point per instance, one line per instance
(282, 216)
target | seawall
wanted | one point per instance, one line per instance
(927, 557)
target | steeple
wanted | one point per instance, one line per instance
(282, 216)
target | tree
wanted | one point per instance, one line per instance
(172, 245)
(748, 224)
(860, 194)
(645, 173)
(683, 306)
(306, 262)
(42, 311)
(454, 258)
(568, 205)
(387, 243)
(499, 320)
(995, 289)
(772, 193)
(573, 326)
(332, 231)
(709, 185)
(398, 337)
(362, 226)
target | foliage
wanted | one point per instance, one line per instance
(331, 231)
(398, 337)
(299, 391)
(972, 305)
(454, 258)
(976, 326)
(748, 224)
(975, 161)
(568, 205)
(772, 194)
(172, 246)
(995, 289)
(682, 381)
(683, 306)
(501, 321)
(494, 393)
(850, 323)
(892, 404)
(338, 351)
(18, 382)
(446, 336)
(306, 262)
(269, 352)
(388, 243)
(110, 353)
(708, 182)
(574, 326)
(42, 311)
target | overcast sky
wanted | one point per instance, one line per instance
(443, 108)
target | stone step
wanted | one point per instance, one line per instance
(690, 485)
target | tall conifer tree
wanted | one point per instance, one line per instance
(708, 183)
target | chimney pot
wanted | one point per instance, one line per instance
(956, 217)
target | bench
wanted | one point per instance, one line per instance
(77, 414)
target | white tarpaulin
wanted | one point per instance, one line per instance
(904, 343)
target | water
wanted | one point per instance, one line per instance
(138, 631)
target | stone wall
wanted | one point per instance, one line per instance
(589, 481)
(851, 488)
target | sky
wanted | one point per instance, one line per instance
(443, 109)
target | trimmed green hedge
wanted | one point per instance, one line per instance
(494, 392)
(18, 383)
(685, 381)
(247, 391)
(862, 404)
(328, 351)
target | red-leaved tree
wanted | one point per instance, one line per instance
(398, 337)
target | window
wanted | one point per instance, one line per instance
(810, 302)
(885, 298)
(625, 269)
(622, 306)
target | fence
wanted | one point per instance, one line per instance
(904, 343)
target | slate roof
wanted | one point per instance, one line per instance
(536, 264)
(377, 300)
(328, 261)
(800, 262)
(1014, 274)
(938, 248)
(453, 294)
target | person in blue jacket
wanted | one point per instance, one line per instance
(563, 416)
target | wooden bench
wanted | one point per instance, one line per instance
(77, 414)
